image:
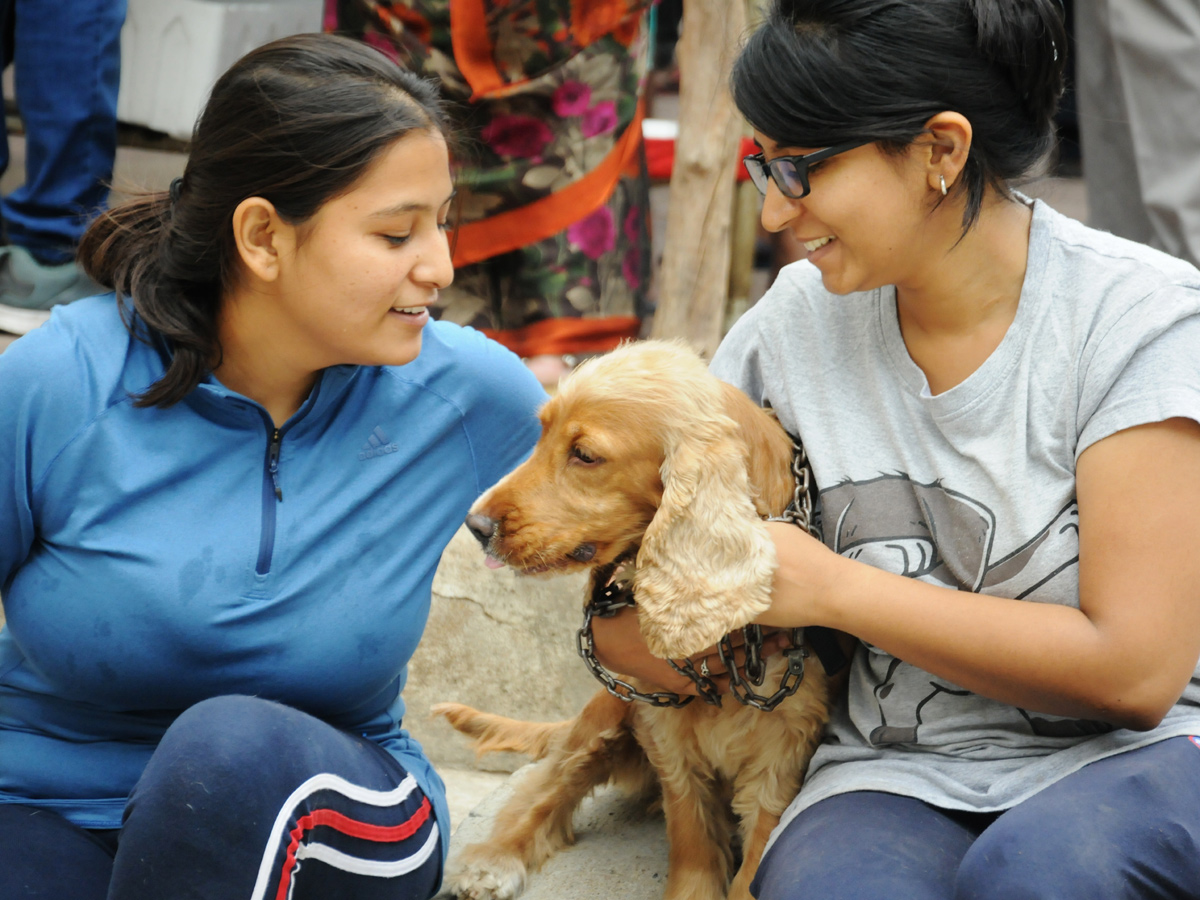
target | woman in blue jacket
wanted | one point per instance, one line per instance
(223, 498)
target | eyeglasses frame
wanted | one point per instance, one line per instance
(801, 164)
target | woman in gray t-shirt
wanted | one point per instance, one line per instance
(1002, 412)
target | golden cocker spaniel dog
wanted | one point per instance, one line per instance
(648, 461)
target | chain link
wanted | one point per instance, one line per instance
(605, 602)
(704, 684)
(800, 510)
(608, 599)
(740, 685)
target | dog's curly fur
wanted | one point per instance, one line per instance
(646, 456)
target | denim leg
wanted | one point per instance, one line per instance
(245, 798)
(1123, 828)
(6, 16)
(866, 845)
(43, 855)
(67, 61)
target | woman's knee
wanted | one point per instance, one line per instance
(215, 746)
(864, 844)
(230, 728)
(1122, 828)
(1065, 861)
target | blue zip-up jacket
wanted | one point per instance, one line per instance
(152, 558)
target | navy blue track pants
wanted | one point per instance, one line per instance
(1123, 828)
(243, 798)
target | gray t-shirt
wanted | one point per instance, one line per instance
(972, 489)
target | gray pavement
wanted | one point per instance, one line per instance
(620, 849)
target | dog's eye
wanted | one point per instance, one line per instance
(578, 454)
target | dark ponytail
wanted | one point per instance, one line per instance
(296, 122)
(824, 72)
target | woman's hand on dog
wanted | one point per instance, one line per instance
(620, 648)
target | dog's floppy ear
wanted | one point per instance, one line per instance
(706, 562)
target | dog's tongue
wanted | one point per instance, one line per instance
(492, 563)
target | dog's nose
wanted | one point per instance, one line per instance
(583, 553)
(482, 527)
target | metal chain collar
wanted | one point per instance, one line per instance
(800, 510)
(740, 685)
(608, 599)
(605, 601)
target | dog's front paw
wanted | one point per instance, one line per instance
(486, 873)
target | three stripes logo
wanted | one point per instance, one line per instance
(378, 444)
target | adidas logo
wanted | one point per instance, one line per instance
(378, 444)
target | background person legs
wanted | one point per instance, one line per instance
(1096, 833)
(66, 58)
(1138, 83)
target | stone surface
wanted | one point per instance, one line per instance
(499, 642)
(620, 849)
(466, 789)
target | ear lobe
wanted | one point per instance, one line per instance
(947, 154)
(706, 563)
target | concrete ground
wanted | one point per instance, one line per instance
(466, 789)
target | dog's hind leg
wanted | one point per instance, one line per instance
(537, 821)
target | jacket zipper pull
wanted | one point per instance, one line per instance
(273, 464)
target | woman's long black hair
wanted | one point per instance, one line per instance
(824, 72)
(296, 122)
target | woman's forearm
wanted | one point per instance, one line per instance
(1041, 656)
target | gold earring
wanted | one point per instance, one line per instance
(942, 179)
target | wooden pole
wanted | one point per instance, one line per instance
(694, 276)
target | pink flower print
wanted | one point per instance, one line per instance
(519, 136)
(382, 44)
(633, 224)
(600, 119)
(631, 268)
(595, 235)
(571, 99)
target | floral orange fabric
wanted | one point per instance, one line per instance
(546, 94)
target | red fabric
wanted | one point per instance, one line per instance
(567, 335)
(660, 158)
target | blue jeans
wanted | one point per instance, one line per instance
(1123, 828)
(242, 798)
(67, 65)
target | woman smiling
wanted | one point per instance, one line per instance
(223, 497)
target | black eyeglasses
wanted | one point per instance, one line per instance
(790, 172)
